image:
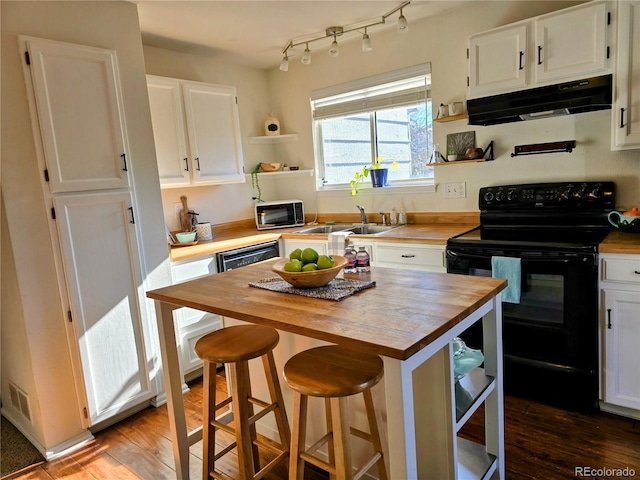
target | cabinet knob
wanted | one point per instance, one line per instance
(521, 67)
(622, 118)
(198, 163)
(609, 318)
(186, 164)
(539, 55)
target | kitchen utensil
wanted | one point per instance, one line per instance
(313, 279)
(455, 108)
(185, 216)
(625, 223)
(203, 231)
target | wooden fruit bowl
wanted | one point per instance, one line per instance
(270, 167)
(313, 279)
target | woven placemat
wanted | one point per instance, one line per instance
(337, 289)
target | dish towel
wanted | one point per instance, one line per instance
(509, 269)
(338, 242)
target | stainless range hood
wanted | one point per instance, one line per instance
(562, 99)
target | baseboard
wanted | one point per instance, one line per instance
(60, 450)
(617, 410)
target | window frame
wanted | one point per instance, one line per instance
(421, 185)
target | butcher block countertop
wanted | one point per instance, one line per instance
(621, 242)
(432, 229)
(385, 320)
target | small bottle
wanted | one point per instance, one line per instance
(393, 217)
(350, 255)
(402, 217)
(362, 260)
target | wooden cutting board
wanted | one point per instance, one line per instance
(185, 216)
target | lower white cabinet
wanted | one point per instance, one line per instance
(620, 332)
(106, 315)
(411, 256)
(192, 324)
(290, 244)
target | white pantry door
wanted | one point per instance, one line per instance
(103, 274)
(80, 114)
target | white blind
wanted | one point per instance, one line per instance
(372, 94)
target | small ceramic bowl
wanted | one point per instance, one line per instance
(186, 237)
(270, 167)
(313, 279)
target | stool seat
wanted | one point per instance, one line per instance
(236, 344)
(332, 371)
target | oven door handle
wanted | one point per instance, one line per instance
(522, 255)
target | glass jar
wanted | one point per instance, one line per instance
(350, 255)
(362, 260)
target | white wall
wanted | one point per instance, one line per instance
(442, 40)
(35, 351)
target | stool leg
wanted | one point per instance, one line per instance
(242, 410)
(330, 446)
(298, 436)
(341, 437)
(208, 431)
(275, 392)
(372, 416)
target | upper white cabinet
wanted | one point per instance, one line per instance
(571, 43)
(498, 60)
(566, 45)
(626, 113)
(197, 132)
(81, 117)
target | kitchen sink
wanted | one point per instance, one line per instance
(358, 229)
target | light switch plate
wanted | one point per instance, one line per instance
(455, 190)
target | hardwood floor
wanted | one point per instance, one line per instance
(541, 442)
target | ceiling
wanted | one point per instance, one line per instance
(254, 33)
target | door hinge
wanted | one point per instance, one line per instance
(85, 413)
(69, 316)
(27, 58)
(46, 174)
(53, 213)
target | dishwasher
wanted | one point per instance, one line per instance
(239, 257)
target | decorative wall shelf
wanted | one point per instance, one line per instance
(456, 162)
(285, 173)
(452, 118)
(290, 137)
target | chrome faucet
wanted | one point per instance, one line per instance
(363, 216)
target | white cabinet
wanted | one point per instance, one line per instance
(571, 44)
(498, 60)
(78, 125)
(411, 256)
(104, 283)
(626, 108)
(197, 132)
(290, 244)
(620, 328)
(191, 324)
(562, 46)
(77, 96)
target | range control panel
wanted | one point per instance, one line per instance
(600, 195)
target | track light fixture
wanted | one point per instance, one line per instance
(403, 25)
(366, 42)
(335, 32)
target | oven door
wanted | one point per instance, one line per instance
(551, 336)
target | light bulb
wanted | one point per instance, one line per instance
(366, 43)
(403, 25)
(333, 50)
(284, 64)
(306, 56)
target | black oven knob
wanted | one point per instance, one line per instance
(488, 196)
(567, 194)
(500, 196)
(512, 195)
(597, 192)
(584, 192)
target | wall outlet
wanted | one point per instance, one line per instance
(455, 190)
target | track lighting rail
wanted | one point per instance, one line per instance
(337, 31)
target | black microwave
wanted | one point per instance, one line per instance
(279, 214)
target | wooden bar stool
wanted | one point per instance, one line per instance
(235, 346)
(334, 373)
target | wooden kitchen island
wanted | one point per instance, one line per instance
(409, 318)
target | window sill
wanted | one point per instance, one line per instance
(398, 189)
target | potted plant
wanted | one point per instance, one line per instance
(452, 156)
(378, 174)
(255, 182)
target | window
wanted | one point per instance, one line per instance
(387, 116)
